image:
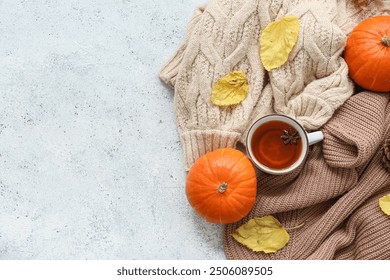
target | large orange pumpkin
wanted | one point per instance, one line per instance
(367, 54)
(221, 186)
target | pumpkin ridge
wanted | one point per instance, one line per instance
(211, 170)
(201, 195)
(220, 210)
(361, 68)
(233, 181)
(370, 46)
(216, 215)
(240, 190)
(376, 73)
(232, 197)
(238, 161)
(240, 197)
(206, 203)
(205, 179)
(193, 191)
(210, 191)
(234, 166)
(363, 33)
(202, 202)
(215, 174)
(232, 171)
(233, 214)
(227, 204)
(227, 200)
(379, 65)
(222, 152)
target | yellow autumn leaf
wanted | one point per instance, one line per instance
(231, 89)
(263, 234)
(384, 204)
(277, 40)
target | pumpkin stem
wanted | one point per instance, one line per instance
(222, 187)
(386, 41)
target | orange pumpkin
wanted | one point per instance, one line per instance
(221, 186)
(367, 54)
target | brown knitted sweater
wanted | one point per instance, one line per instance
(330, 206)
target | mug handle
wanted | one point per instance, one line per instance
(315, 137)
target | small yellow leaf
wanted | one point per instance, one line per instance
(264, 234)
(277, 40)
(384, 204)
(231, 89)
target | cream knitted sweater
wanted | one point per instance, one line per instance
(223, 36)
(330, 206)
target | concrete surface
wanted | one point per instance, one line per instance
(90, 162)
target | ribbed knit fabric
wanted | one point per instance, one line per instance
(330, 206)
(223, 36)
(386, 154)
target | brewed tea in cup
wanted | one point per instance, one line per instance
(278, 144)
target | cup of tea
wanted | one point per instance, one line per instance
(278, 144)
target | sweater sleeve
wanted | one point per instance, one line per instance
(314, 82)
(356, 131)
(225, 39)
(169, 71)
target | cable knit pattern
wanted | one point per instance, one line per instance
(223, 36)
(350, 14)
(330, 206)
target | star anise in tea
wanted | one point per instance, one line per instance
(290, 136)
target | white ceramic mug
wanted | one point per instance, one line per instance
(306, 138)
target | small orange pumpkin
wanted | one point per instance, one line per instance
(221, 186)
(367, 54)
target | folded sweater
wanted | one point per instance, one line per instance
(330, 205)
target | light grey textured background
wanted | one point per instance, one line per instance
(90, 160)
